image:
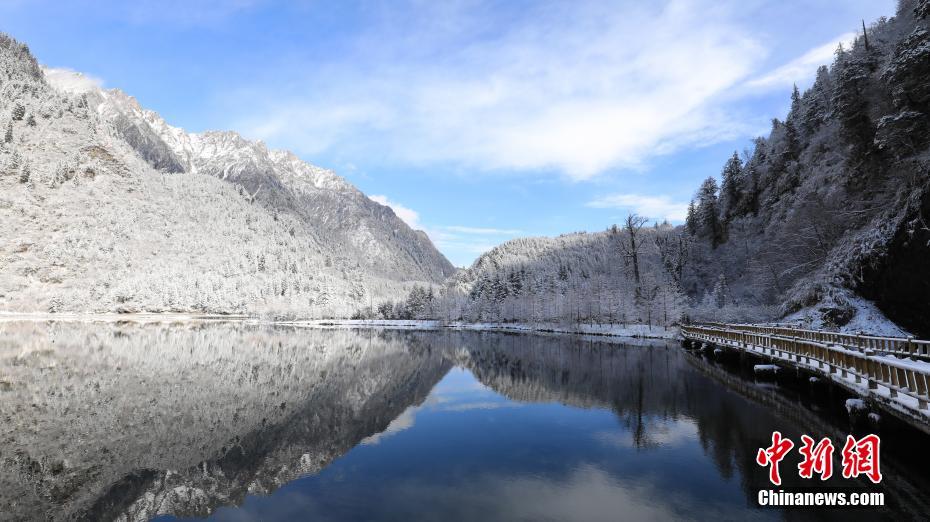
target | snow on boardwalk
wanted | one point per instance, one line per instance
(898, 383)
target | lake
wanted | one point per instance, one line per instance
(235, 421)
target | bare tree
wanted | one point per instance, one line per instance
(674, 248)
(630, 249)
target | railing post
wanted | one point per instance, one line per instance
(869, 371)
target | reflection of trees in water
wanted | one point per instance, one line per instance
(643, 385)
(97, 413)
(648, 388)
(904, 484)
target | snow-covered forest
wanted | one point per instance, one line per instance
(832, 206)
(835, 202)
(630, 274)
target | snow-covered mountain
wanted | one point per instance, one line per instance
(106, 206)
(282, 182)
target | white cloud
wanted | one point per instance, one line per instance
(575, 87)
(402, 422)
(460, 243)
(802, 69)
(584, 492)
(408, 215)
(70, 81)
(654, 207)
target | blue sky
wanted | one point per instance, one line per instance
(477, 121)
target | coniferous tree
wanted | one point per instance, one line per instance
(691, 220)
(819, 104)
(8, 137)
(795, 103)
(708, 220)
(850, 104)
(731, 190)
(922, 10)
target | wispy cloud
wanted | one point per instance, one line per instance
(802, 69)
(402, 422)
(459, 242)
(576, 88)
(654, 207)
(71, 81)
(407, 215)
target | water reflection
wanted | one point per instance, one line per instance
(122, 421)
(128, 422)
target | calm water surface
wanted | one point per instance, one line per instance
(236, 422)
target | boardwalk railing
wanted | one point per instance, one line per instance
(862, 368)
(904, 346)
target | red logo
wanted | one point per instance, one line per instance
(859, 457)
(774, 454)
(817, 459)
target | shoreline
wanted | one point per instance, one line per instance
(632, 331)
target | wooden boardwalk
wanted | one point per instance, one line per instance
(892, 373)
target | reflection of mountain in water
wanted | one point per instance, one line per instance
(126, 422)
(96, 415)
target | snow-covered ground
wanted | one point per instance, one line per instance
(613, 330)
(867, 319)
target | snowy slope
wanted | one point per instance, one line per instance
(107, 208)
(340, 214)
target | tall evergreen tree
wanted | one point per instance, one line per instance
(795, 103)
(708, 212)
(691, 221)
(818, 105)
(732, 188)
(850, 104)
